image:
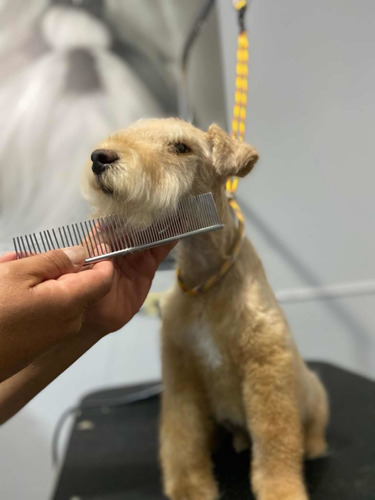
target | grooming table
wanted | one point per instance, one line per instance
(112, 453)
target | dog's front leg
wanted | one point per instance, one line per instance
(271, 403)
(186, 431)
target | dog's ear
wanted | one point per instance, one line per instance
(230, 156)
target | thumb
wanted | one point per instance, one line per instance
(51, 265)
(8, 257)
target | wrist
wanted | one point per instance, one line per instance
(93, 333)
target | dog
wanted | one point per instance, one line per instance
(228, 356)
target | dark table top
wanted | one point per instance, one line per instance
(112, 452)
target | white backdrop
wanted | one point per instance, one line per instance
(309, 202)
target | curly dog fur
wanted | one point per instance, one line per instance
(228, 355)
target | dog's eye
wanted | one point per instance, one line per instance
(181, 148)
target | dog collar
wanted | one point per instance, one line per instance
(227, 264)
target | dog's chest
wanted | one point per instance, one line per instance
(198, 338)
(219, 374)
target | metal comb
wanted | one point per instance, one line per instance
(194, 215)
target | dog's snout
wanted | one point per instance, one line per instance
(255, 156)
(101, 159)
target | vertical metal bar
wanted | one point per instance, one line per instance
(15, 248)
(122, 234)
(208, 209)
(70, 236)
(63, 245)
(159, 230)
(85, 242)
(98, 237)
(22, 249)
(105, 227)
(47, 242)
(182, 219)
(133, 237)
(76, 235)
(22, 252)
(67, 244)
(50, 239)
(88, 238)
(141, 236)
(102, 231)
(32, 244)
(37, 243)
(24, 246)
(96, 246)
(42, 240)
(187, 216)
(154, 232)
(112, 233)
(56, 240)
(28, 245)
(81, 237)
(202, 209)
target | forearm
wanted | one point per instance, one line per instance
(18, 355)
(18, 390)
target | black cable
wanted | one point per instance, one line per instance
(194, 31)
(57, 431)
(241, 19)
(183, 101)
(133, 397)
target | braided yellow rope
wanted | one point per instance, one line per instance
(240, 94)
(238, 132)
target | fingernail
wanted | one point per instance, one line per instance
(75, 254)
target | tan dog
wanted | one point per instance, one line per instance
(228, 355)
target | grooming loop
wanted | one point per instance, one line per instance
(238, 132)
(241, 85)
(110, 236)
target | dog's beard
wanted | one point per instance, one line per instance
(104, 187)
(137, 204)
(135, 196)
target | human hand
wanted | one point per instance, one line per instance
(43, 300)
(132, 278)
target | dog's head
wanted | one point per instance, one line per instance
(144, 170)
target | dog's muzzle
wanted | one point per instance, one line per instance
(102, 159)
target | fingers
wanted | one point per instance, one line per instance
(51, 265)
(143, 264)
(8, 257)
(89, 285)
(161, 252)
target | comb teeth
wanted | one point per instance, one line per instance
(110, 236)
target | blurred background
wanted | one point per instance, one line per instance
(74, 71)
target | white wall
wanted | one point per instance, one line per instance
(310, 214)
(309, 203)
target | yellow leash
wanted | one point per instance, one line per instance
(238, 132)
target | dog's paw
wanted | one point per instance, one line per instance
(241, 441)
(315, 448)
(275, 495)
(291, 496)
(282, 493)
(184, 490)
(279, 488)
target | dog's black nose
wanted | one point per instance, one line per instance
(101, 159)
